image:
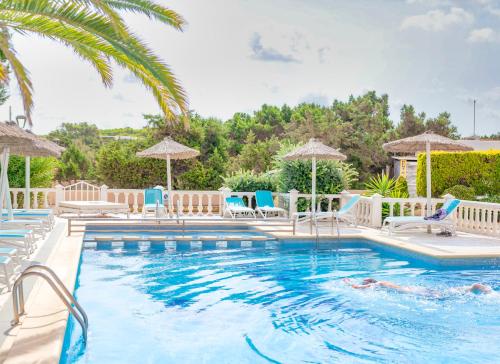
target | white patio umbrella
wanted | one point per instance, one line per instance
(15, 140)
(169, 149)
(425, 142)
(314, 150)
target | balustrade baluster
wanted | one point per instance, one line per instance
(190, 204)
(35, 199)
(45, 198)
(135, 206)
(200, 204)
(14, 199)
(209, 205)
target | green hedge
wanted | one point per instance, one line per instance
(479, 170)
(250, 182)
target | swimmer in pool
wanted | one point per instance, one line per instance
(476, 288)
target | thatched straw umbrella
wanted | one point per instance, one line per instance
(15, 140)
(424, 142)
(170, 150)
(314, 150)
(38, 147)
(9, 136)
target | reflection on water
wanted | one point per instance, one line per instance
(276, 305)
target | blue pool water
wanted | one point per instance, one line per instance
(278, 304)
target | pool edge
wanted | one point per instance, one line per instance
(40, 336)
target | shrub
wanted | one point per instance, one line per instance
(461, 192)
(479, 170)
(250, 181)
(42, 171)
(402, 186)
(388, 187)
(491, 198)
(381, 184)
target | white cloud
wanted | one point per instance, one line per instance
(437, 20)
(482, 35)
(430, 2)
(261, 53)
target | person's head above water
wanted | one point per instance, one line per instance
(369, 281)
(478, 288)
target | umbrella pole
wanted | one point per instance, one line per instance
(169, 186)
(4, 191)
(27, 186)
(428, 181)
(313, 190)
(2, 180)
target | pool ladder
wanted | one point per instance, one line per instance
(42, 271)
(317, 227)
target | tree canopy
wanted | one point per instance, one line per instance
(245, 142)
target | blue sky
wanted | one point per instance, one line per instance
(235, 55)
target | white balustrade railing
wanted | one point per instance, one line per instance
(364, 211)
(416, 206)
(39, 197)
(197, 203)
(478, 217)
(471, 216)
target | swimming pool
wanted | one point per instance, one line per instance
(164, 303)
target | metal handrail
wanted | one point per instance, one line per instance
(57, 286)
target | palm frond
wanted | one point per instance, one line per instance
(20, 72)
(151, 10)
(88, 27)
(4, 73)
(97, 59)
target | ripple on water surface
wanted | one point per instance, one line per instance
(276, 305)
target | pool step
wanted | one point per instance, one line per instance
(231, 241)
(178, 238)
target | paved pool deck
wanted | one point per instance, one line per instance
(463, 245)
(40, 336)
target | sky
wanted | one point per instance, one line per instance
(235, 55)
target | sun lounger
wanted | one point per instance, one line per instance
(39, 227)
(37, 214)
(265, 205)
(8, 268)
(20, 239)
(346, 213)
(93, 207)
(235, 207)
(13, 253)
(397, 223)
(153, 202)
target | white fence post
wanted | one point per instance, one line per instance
(344, 197)
(224, 192)
(59, 195)
(376, 210)
(293, 197)
(104, 193)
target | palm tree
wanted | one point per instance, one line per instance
(96, 32)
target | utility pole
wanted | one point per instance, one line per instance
(474, 132)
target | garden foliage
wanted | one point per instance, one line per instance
(479, 170)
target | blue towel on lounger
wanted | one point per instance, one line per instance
(439, 215)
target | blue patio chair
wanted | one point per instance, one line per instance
(235, 207)
(265, 205)
(153, 202)
(346, 213)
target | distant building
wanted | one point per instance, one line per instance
(482, 145)
(118, 137)
(406, 166)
